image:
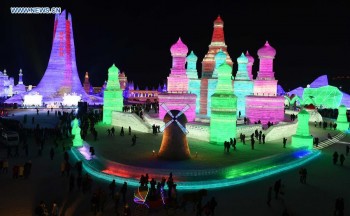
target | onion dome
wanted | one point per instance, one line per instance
(220, 57)
(250, 58)
(192, 57)
(267, 51)
(113, 69)
(179, 49)
(242, 59)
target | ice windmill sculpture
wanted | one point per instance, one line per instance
(174, 144)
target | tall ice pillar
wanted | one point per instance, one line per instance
(113, 95)
(223, 108)
(302, 138)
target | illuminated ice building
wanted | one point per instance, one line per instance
(61, 78)
(178, 96)
(223, 107)
(265, 105)
(320, 94)
(243, 85)
(209, 78)
(6, 85)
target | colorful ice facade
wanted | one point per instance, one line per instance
(112, 96)
(265, 105)
(220, 58)
(302, 138)
(177, 95)
(223, 108)
(322, 94)
(77, 141)
(208, 63)
(243, 85)
(20, 87)
(192, 74)
(6, 84)
(342, 120)
(61, 75)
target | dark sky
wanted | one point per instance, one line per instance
(311, 37)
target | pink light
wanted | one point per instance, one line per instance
(85, 151)
(265, 109)
(176, 101)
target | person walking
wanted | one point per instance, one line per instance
(129, 130)
(335, 157)
(123, 191)
(284, 142)
(133, 139)
(347, 150)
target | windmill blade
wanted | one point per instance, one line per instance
(183, 110)
(182, 127)
(166, 125)
(167, 110)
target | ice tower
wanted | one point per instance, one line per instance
(243, 85)
(342, 120)
(86, 83)
(208, 63)
(265, 105)
(220, 58)
(61, 76)
(302, 138)
(192, 74)
(223, 108)
(177, 95)
(112, 96)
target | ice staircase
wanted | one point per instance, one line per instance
(329, 142)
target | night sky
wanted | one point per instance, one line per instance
(311, 37)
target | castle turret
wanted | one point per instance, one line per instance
(86, 83)
(177, 80)
(265, 83)
(223, 108)
(113, 95)
(193, 82)
(243, 86)
(178, 96)
(208, 63)
(20, 77)
(265, 106)
(122, 80)
(302, 137)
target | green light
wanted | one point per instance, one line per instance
(302, 138)
(112, 96)
(342, 120)
(325, 96)
(254, 170)
(77, 141)
(223, 107)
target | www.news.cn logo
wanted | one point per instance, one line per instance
(35, 10)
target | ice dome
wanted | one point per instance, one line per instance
(267, 51)
(179, 49)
